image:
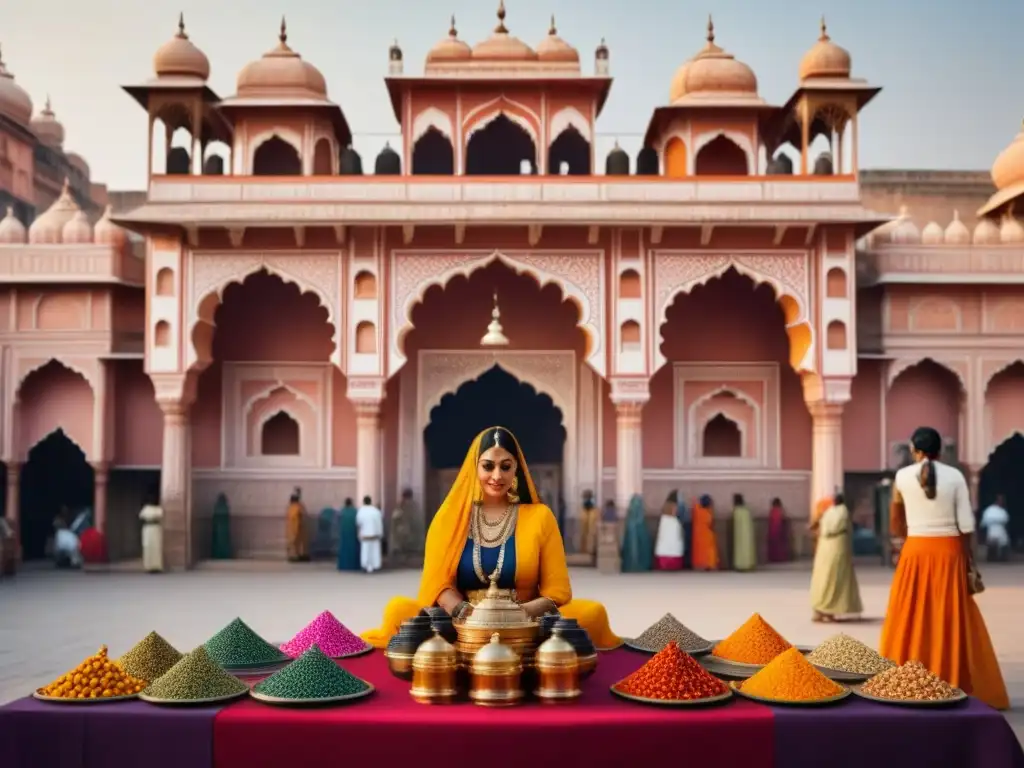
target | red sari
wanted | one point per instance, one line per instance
(778, 535)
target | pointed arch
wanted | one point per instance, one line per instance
(432, 117)
(957, 367)
(84, 367)
(569, 117)
(270, 389)
(741, 140)
(1003, 368)
(480, 117)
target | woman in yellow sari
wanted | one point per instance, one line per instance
(491, 526)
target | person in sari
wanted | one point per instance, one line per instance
(152, 517)
(744, 542)
(686, 521)
(668, 546)
(704, 555)
(348, 538)
(637, 547)
(834, 589)
(588, 524)
(405, 532)
(932, 615)
(295, 528)
(490, 527)
(778, 533)
(323, 541)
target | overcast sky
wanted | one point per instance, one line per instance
(951, 70)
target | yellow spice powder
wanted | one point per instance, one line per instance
(755, 642)
(790, 677)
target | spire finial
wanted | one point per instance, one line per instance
(452, 31)
(711, 29)
(66, 189)
(552, 30)
(500, 29)
(48, 108)
(956, 214)
(283, 35)
(181, 26)
(824, 38)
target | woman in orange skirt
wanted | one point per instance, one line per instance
(932, 616)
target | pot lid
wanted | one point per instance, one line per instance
(497, 611)
(496, 652)
(435, 647)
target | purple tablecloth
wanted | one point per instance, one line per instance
(858, 733)
(38, 734)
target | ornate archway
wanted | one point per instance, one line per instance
(579, 275)
(212, 273)
(787, 272)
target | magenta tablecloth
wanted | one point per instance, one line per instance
(37, 734)
(859, 734)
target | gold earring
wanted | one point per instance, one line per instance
(513, 497)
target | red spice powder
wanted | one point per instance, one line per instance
(672, 675)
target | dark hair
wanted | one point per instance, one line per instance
(348, 502)
(706, 501)
(838, 499)
(367, 500)
(502, 438)
(927, 441)
(776, 502)
(407, 493)
(737, 499)
(673, 497)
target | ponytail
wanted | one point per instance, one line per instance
(927, 478)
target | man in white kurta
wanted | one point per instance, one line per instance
(152, 516)
(370, 525)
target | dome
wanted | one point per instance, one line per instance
(281, 72)
(351, 164)
(617, 162)
(1008, 169)
(388, 162)
(905, 230)
(49, 227)
(12, 231)
(715, 71)
(985, 233)
(501, 46)
(451, 48)
(107, 232)
(395, 51)
(932, 234)
(1011, 230)
(601, 52)
(75, 160)
(14, 102)
(46, 126)
(825, 59)
(179, 57)
(554, 48)
(677, 89)
(78, 230)
(957, 232)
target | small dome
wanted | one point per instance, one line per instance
(985, 233)
(281, 72)
(554, 48)
(12, 231)
(884, 233)
(601, 52)
(451, 48)
(617, 162)
(825, 59)
(15, 103)
(501, 46)
(905, 230)
(179, 57)
(647, 162)
(932, 234)
(715, 71)
(49, 227)
(1011, 230)
(46, 126)
(388, 162)
(78, 230)
(78, 162)
(351, 164)
(957, 232)
(107, 232)
(1008, 169)
(395, 51)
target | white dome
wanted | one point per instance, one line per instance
(1011, 231)
(985, 233)
(906, 232)
(12, 231)
(107, 232)
(49, 228)
(932, 234)
(957, 232)
(78, 230)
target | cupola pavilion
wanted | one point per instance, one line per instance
(732, 305)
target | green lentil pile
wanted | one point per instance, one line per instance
(846, 654)
(238, 646)
(668, 629)
(311, 676)
(194, 678)
(150, 658)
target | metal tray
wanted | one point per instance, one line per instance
(782, 703)
(702, 651)
(710, 701)
(193, 702)
(842, 676)
(58, 700)
(257, 669)
(363, 652)
(960, 698)
(751, 668)
(277, 701)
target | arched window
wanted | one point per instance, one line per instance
(276, 157)
(280, 436)
(722, 438)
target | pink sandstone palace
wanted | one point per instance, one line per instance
(737, 308)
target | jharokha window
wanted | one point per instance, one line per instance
(280, 436)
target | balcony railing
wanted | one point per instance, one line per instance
(69, 264)
(945, 264)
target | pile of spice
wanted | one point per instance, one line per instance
(196, 677)
(846, 654)
(150, 658)
(791, 677)
(671, 675)
(756, 642)
(325, 631)
(910, 682)
(95, 678)
(238, 646)
(311, 676)
(668, 629)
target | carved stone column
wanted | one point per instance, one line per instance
(176, 485)
(827, 457)
(629, 396)
(12, 510)
(367, 395)
(101, 480)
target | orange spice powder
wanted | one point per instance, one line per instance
(756, 642)
(672, 675)
(791, 677)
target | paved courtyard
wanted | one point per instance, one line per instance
(49, 621)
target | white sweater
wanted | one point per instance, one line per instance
(938, 516)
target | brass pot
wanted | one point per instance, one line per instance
(558, 670)
(496, 613)
(400, 664)
(434, 671)
(496, 674)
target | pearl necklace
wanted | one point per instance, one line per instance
(477, 534)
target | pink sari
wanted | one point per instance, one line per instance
(778, 535)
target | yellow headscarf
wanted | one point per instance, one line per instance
(449, 529)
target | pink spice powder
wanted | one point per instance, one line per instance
(327, 632)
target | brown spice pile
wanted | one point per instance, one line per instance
(909, 682)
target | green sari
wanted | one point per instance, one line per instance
(348, 540)
(744, 542)
(637, 546)
(220, 548)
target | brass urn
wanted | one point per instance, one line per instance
(496, 614)
(434, 671)
(496, 675)
(558, 670)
